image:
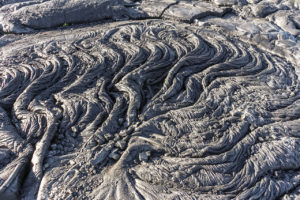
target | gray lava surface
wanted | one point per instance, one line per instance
(149, 99)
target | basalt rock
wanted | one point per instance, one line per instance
(188, 100)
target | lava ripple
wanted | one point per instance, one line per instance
(148, 109)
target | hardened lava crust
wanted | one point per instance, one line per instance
(176, 102)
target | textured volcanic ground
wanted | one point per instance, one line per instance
(149, 100)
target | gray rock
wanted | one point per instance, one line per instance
(226, 2)
(263, 9)
(144, 156)
(121, 144)
(187, 11)
(156, 8)
(102, 155)
(108, 136)
(114, 155)
(25, 17)
(153, 100)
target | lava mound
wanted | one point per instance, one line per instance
(147, 109)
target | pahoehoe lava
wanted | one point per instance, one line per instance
(148, 109)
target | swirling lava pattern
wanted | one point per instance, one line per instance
(151, 110)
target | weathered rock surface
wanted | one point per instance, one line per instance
(149, 99)
(26, 16)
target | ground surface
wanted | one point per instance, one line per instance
(111, 99)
